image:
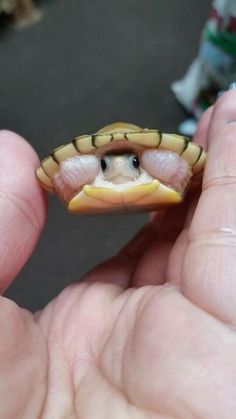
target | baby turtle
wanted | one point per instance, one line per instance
(122, 168)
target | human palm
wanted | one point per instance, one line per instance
(148, 334)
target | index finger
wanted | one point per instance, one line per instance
(210, 268)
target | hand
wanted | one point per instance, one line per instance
(149, 333)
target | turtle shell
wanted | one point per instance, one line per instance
(108, 197)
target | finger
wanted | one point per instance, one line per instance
(162, 260)
(140, 262)
(22, 205)
(201, 135)
(179, 248)
(150, 269)
(119, 269)
(222, 112)
(149, 250)
(174, 268)
(209, 266)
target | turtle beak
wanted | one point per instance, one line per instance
(151, 194)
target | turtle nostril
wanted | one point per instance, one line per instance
(119, 161)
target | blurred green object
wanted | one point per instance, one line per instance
(214, 68)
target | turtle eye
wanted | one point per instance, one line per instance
(105, 163)
(134, 162)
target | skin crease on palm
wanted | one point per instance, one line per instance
(148, 334)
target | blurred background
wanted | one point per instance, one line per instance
(79, 66)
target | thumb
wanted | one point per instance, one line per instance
(22, 205)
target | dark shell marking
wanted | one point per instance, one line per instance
(191, 152)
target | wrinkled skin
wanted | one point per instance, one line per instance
(149, 334)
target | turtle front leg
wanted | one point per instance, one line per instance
(74, 173)
(168, 167)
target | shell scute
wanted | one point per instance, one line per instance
(65, 152)
(145, 138)
(50, 166)
(84, 144)
(173, 142)
(102, 140)
(191, 153)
